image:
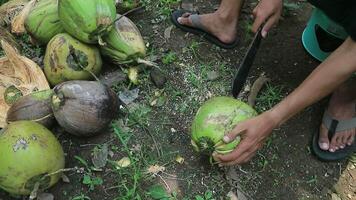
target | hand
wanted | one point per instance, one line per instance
(253, 132)
(268, 11)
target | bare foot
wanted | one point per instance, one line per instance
(341, 107)
(222, 27)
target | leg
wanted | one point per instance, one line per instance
(341, 107)
(222, 23)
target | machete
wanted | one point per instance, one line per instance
(244, 68)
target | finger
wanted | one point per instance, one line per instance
(259, 19)
(238, 130)
(246, 157)
(269, 24)
(236, 153)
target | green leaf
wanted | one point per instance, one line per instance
(86, 179)
(97, 181)
(157, 192)
(82, 161)
(198, 197)
(208, 194)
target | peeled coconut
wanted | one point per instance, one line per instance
(29, 154)
(34, 107)
(84, 108)
(215, 118)
(67, 59)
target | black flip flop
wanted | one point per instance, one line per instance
(334, 126)
(199, 29)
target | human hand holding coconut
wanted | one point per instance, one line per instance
(330, 76)
(254, 132)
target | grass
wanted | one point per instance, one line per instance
(268, 97)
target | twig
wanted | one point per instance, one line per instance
(167, 186)
(255, 89)
(128, 12)
(159, 152)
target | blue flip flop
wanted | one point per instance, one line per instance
(334, 127)
(199, 29)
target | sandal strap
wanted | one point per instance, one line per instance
(195, 18)
(341, 125)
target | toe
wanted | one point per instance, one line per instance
(351, 139)
(323, 138)
(185, 19)
(333, 144)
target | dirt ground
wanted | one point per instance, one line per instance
(154, 129)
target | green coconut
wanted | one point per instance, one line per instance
(67, 59)
(30, 155)
(43, 22)
(87, 20)
(215, 118)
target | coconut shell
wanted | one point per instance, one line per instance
(33, 107)
(18, 76)
(9, 10)
(84, 108)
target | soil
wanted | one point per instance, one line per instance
(283, 169)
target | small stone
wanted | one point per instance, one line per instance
(45, 196)
(158, 78)
(330, 172)
(335, 197)
(212, 75)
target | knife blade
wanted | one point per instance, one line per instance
(245, 66)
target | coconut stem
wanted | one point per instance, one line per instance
(206, 145)
(148, 63)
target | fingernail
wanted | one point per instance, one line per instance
(349, 143)
(226, 139)
(264, 33)
(179, 19)
(332, 150)
(324, 146)
(342, 146)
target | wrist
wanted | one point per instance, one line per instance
(275, 117)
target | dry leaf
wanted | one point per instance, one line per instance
(18, 23)
(9, 10)
(65, 178)
(167, 32)
(124, 162)
(100, 156)
(155, 169)
(133, 75)
(20, 74)
(232, 196)
(179, 159)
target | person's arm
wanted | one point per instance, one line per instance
(330, 74)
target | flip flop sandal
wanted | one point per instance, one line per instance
(199, 29)
(334, 127)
